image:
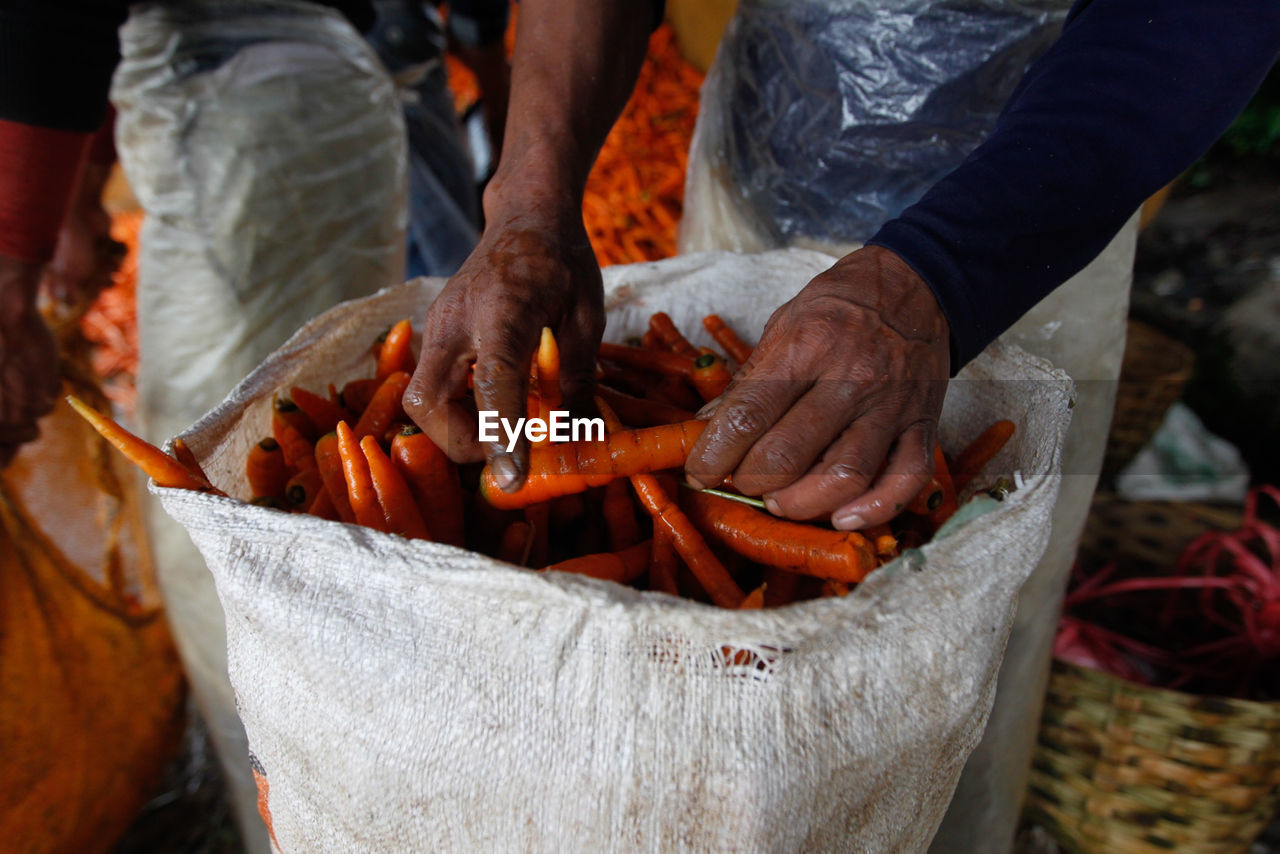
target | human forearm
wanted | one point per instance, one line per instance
(1129, 96)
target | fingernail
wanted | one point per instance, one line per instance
(504, 472)
(848, 521)
(772, 507)
(709, 408)
(694, 482)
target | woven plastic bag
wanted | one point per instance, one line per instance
(409, 696)
(92, 706)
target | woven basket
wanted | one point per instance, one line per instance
(1154, 372)
(1129, 768)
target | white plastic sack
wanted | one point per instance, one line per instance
(265, 142)
(408, 696)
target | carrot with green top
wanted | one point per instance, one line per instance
(384, 407)
(622, 566)
(979, 452)
(329, 464)
(658, 361)
(394, 497)
(433, 479)
(727, 338)
(360, 491)
(711, 376)
(689, 544)
(569, 467)
(844, 556)
(266, 470)
(661, 325)
(396, 352)
(159, 466)
(322, 412)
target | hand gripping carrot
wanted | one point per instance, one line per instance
(979, 452)
(704, 565)
(433, 480)
(398, 507)
(710, 376)
(395, 354)
(661, 324)
(623, 566)
(360, 491)
(323, 413)
(727, 338)
(384, 407)
(844, 556)
(329, 464)
(159, 466)
(569, 467)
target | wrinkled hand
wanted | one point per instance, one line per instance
(837, 409)
(529, 271)
(28, 358)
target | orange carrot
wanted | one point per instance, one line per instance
(329, 464)
(159, 466)
(754, 600)
(704, 565)
(355, 395)
(619, 516)
(638, 412)
(395, 354)
(663, 563)
(433, 480)
(727, 338)
(548, 361)
(299, 453)
(183, 454)
(517, 539)
(834, 588)
(650, 341)
(942, 474)
(979, 452)
(384, 407)
(839, 555)
(661, 324)
(659, 361)
(322, 505)
(569, 467)
(360, 491)
(285, 408)
(886, 544)
(928, 499)
(398, 507)
(322, 412)
(302, 488)
(710, 376)
(266, 469)
(622, 566)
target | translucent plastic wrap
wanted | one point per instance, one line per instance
(266, 145)
(822, 119)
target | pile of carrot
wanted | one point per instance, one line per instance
(111, 323)
(611, 507)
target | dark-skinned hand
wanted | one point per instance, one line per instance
(837, 409)
(530, 270)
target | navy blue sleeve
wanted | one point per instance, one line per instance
(1129, 96)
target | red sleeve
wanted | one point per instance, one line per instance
(41, 168)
